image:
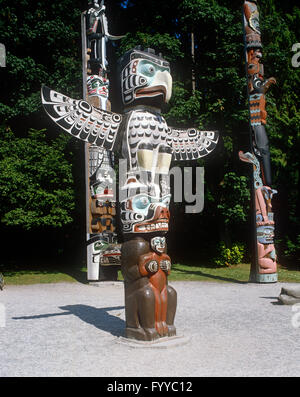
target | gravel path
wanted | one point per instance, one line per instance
(73, 329)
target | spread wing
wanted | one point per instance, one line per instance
(191, 144)
(82, 120)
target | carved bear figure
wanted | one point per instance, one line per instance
(150, 302)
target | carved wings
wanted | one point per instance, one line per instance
(101, 128)
(191, 144)
(82, 120)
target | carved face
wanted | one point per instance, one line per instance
(158, 244)
(265, 234)
(103, 187)
(97, 86)
(144, 213)
(145, 78)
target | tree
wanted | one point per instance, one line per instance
(44, 46)
(35, 181)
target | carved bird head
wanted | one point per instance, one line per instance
(145, 78)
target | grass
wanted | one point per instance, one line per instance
(236, 274)
(184, 272)
(35, 277)
(21, 275)
(180, 272)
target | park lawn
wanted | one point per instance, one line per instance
(36, 277)
(41, 274)
(180, 272)
(236, 274)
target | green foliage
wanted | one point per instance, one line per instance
(43, 46)
(293, 248)
(230, 256)
(167, 45)
(234, 201)
(35, 181)
(184, 107)
(42, 41)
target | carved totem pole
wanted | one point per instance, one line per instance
(103, 251)
(264, 267)
(147, 145)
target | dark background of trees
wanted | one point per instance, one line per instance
(41, 169)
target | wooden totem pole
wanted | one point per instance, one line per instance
(103, 251)
(147, 146)
(264, 267)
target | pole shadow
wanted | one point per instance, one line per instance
(98, 317)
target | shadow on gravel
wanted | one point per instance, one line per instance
(276, 300)
(98, 317)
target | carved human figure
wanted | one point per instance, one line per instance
(156, 265)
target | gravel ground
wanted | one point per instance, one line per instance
(73, 330)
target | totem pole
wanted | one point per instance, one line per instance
(264, 267)
(103, 251)
(147, 145)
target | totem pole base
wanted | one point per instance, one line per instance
(150, 303)
(102, 273)
(108, 273)
(267, 278)
(149, 334)
(161, 343)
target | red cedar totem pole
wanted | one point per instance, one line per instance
(264, 267)
(103, 251)
(147, 144)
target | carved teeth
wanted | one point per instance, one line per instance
(153, 226)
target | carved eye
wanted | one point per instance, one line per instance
(86, 107)
(166, 200)
(148, 69)
(141, 202)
